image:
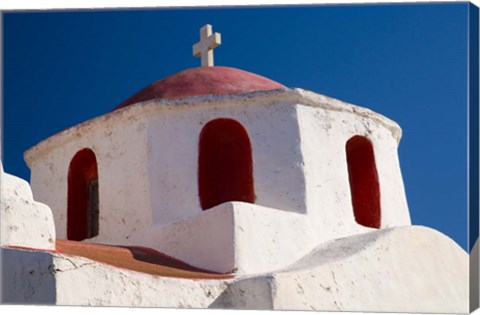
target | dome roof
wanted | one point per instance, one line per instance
(203, 81)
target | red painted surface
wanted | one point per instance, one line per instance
(203, 81)
(364, 186)
(136, 258)
(225, 171)
(83, 168)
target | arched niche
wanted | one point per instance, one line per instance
(83, 198)
(225, 170)
(363, 178)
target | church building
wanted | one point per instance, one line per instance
(209, 164)
(235, 174)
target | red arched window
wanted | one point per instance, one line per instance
(225, 171)
(82, 202)
(364, 187)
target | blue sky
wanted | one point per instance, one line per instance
(407, 62)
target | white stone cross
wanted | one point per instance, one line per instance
(204, 48)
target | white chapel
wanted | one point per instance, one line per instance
(296, 196)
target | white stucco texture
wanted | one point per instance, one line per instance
(24, 222)
(237, 237)
(404, 269)
(147, 156)
(34, 277)
(27, 277)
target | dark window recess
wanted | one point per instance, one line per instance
(82, 199)
(364, 186)
(225, 170)
(92, 209)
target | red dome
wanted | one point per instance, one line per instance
(203, 81)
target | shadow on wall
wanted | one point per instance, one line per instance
(248, 294)
(27, 277)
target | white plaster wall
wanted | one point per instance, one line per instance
(328, 192)
(205, 241)
(27, 277)
(393, 198)
(267, 239)
(35, 277)
(173, 163)
(24, 222)
(249, 293)
(400, 269)
(236, 237)
(120, 147)
(147, 160)
(324, 134)
(405, 269)
(110, 286)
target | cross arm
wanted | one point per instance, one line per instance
(211, 42)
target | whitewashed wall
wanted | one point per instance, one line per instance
(24, 222)
(237, 237)
(324, 134)
(279, 180)
(147, 162)
(119, 144)
(405, 269)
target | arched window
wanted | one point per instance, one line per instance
(82, 202)
(225, 171)
(364, 187)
